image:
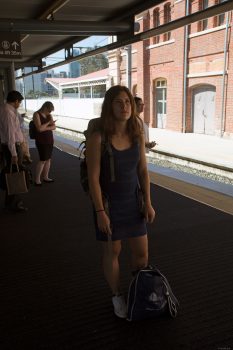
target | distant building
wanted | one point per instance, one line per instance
(63, 74)
(34, 84)
(74, 67)
(92, 85)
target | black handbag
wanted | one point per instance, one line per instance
(32, 130)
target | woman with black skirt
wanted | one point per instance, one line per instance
(44, 141)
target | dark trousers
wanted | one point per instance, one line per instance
(11, 201)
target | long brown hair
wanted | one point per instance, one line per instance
(134, 129)
(47, 105)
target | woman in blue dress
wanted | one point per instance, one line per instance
(122, 217)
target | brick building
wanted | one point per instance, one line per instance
(184, 76)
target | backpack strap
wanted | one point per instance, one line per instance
(111, 161)
(105, 145)
(108, 148)
(81, 149)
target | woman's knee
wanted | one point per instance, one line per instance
(113, 249)
(140, 259)
(139, 251)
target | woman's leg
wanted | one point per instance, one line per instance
(39, 169)
(111, 252)
(139, 252)
(46, 169)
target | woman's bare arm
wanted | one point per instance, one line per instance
(93, 157)
(42, 127)
(144, 180)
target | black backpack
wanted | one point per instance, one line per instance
(32, 130)
(150, 296)
(105, 147)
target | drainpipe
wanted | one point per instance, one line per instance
(128, 50)
(222, 129)
(185, 70)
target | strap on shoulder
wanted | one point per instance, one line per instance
(106, 145)
(111, 161)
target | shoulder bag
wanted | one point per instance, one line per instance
(16, 181)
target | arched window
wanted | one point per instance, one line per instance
(161, 102)
(135, 90)
(156, 23)
(167, 19)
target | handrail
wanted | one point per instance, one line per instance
(175, 156)
(60, 127)
(72, 130)
(167, 154)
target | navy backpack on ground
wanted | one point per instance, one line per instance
(150, 296)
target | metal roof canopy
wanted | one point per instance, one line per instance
(49, 26)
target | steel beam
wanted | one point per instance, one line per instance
(49, 27)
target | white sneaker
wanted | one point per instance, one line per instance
(120, 308)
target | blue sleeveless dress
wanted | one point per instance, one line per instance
(124, 211)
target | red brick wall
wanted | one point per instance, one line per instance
(205, 67)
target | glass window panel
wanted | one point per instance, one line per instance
(160, 107)
(159, 94)
(99, 91)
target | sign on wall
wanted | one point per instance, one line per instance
(10, 45)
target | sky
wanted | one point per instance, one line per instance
(60, 55)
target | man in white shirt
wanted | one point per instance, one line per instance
(140, 107)
(11, 136)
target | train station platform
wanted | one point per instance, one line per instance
(210, 149)
(216, 191)
(53, 294)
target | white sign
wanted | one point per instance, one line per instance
(10, 45)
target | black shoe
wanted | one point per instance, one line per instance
(21, 208)
(49, 180)
(38, 185)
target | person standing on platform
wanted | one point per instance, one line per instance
(26, 157)
(11, 137)
(118, 214)
(44, 141)
(140, 107)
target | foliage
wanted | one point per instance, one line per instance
(37, 94)
(93, 63)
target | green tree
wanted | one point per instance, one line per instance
(93, 63)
